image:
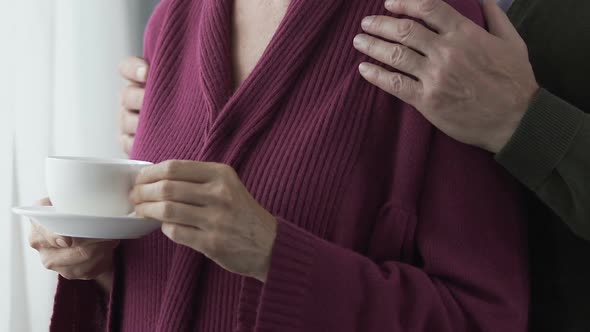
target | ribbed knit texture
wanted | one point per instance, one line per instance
(384, 223)
(542, 139)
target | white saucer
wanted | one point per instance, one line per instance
(88, 226)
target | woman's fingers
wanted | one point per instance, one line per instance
(44, 202)
(129, 122)
(397, 56)
(397, 84)
(174, 191)
(134, 69)
(79, 262)
(175, 213)
(181, 170)
(404, 31)
(41, 238)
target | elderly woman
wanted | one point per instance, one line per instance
(293, 195)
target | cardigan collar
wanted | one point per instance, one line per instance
(238, 116)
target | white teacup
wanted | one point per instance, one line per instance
(91, 186)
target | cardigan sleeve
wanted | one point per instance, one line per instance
(549, 153)
(79, 306)
(471, 252)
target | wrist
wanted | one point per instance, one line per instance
(500, 137)
(269, 242)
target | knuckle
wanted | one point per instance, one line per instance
(225, 170)
(222, 192)
(447, 53)
(82, 253)
(216, 221)
(168, 210)
(34, 241)
(171, 168)
(396, 82)
(167, 190)
(396, 55)
(174, 232)
(438, 74)
(427, 7)
(405, 28)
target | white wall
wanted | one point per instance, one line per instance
(58, 95)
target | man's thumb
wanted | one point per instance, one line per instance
(498, 23)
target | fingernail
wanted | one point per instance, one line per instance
(366, 22)
(364, 68)
(360, 41)
(141, 73)
(61, 243)
(389, 3)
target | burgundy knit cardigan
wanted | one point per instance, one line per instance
(385, 224)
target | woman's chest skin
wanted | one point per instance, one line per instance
(254, 23)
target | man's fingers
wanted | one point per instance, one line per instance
(129, 122)
(404, 31)
(397, 84)
(397, 56)
(132, 97)
(127, 143)
(180, 170)
(498, 23)
(437, 14)
(134, 69)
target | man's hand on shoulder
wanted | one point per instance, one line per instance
(473, 85)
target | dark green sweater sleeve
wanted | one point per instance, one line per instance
(550, 154)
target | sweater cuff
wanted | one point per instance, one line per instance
(78, 306)
(542, 139)
(287, 285)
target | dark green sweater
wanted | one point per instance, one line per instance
(550, 155)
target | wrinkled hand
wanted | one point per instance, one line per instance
(73, 258)
(473, 85)
(206, 207)
(134, 70)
